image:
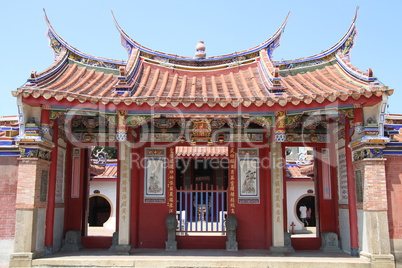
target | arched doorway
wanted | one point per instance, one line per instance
(99, 211)
(309, 202)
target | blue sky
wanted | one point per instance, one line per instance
(176, 26)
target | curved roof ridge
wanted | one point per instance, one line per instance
(350, 69)
(52, 34)
(273, 41)
(346, 40)
(56, 67)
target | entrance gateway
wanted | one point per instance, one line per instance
(201, 174)
(202, 140)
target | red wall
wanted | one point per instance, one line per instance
(393, 170)
(254, 231)
(151, 218)
(8, 190)
(255, 228)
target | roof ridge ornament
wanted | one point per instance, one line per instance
(343, 46)
(350, 40)
(54, 43)
(58, 45)
(200, 51)
(271, 43)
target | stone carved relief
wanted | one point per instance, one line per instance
(231, 227)
(330, 242)
(72, 241)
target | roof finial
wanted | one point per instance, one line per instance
(200, 48)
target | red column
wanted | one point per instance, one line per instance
(84, 190)
(44, 118)
(358, 113)
(135, 187)
(284, 191)
(354, 239)
(358, 120)
(51, 189)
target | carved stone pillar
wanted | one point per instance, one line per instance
(171, 225)
(231, 227)
(278, 238)
(371, 192)
(124, 245)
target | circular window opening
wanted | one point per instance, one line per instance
(306, 211)
(99, 211)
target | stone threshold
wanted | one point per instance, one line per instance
(198, 258)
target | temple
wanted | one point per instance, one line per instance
(231, 152)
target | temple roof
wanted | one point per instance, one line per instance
(393, 127)
(107, 171)
(247, 78)
(297, 172)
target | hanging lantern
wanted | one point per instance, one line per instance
(221, 138)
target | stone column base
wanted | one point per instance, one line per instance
(49, 250)
(21, 259)
(115, 241)
(72, 241)
(278, 251)
(171, 245)
(354, 252)
(379, 260)
(123, 249)
(231, 246)
(330, 242)
(288, 242)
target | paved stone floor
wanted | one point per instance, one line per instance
(199, 258)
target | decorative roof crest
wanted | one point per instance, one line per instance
(270, 44)
(200, 51)
(57, 44)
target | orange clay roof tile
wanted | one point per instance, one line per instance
(238, 85)
(339, 79)
(64, 77)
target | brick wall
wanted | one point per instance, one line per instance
(8, 190)
(393, 168)
(29, 187)
(374, 184)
